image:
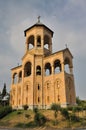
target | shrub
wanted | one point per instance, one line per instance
(65, 113)
(74, 118)
(4, 111)
(39, 119)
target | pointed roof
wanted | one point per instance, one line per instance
(37, 25)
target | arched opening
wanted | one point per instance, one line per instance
(57, 66)
(20, 76)
(67, 65)
(46, 42)
(47, 69)
(38, 87)
(30, 42)
(38, 70)
(27, 69)
(38, 41)
(15, 78)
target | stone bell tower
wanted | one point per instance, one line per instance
(44, 77)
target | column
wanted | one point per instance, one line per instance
(52, 69)
(62, 66)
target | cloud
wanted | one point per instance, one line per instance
(67, 18)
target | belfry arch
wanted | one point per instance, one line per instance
(46, 41)
(27, 69)
(68, 65)
(30, 42)
(57, 66)
(48, 69)
(38, 41)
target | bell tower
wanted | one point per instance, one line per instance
(44, 77)
(39, 39)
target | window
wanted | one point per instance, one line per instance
(38, 99)
(57, 66)
(47, 69)
(30, 42)
(48, 99)
(27, 69)
(15, 78)
(38, 70)
(38, 41)
(20, 76)
(38, 87)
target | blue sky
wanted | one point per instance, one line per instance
(67, 18)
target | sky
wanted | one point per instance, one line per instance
(67, 18)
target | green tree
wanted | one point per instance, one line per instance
(4, 91)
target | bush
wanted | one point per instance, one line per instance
(74, 118)
(65, 113)
(39, 119)
(4, 111)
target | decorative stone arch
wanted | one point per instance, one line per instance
(47, 84)
(68, 65)
(30, 42)
(46, 41)
(27, 69)
(57, 66)
(48, 69)
(38, 70)
(38, 41)
(27, 89)
(58, 85)
(15, 78)
(47, 94)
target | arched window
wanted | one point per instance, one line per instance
(30, 42)
(38, 41)
(15, 78)
(27, 69)
(46, 42)
(47, 69)
(57, 66)
(38, 87)
(38, 70)
(67, 64)
(20, 76)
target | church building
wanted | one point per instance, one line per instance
(44, 77)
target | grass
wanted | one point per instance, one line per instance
(25, 118)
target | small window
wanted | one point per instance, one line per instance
(38, 87)
(38, 70)
(38, 99)
(58, 98)
(48, 99)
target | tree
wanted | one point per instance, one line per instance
(4, 91)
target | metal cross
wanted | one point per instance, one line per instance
(39, 19)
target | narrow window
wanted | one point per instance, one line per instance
(38, 70)
(38, 41)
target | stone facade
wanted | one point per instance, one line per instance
(44, 77)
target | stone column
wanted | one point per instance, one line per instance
(52, 69)
(62, 66)
(71, 70)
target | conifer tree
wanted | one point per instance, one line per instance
(4, 90)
